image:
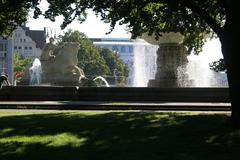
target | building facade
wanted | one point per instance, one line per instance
(26, 42)
(29, 43)
(124, 47)
(6, 57)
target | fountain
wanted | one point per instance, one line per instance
(171, 68)
(61, 67)
(35, 72)
(171, 60)
(58, 66)
(144, 66)
(103, 79)
(198, 67)
(138, 55)
(176, 69)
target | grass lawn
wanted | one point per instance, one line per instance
(79, 135)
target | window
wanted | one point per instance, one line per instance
(30, 48)
(123, 49)
(15, 47)
(130, 49)
(115, 48)
(3, 49)
(25, 48)
(19, 47)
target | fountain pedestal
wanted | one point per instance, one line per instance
(171, 61)
(170, 56)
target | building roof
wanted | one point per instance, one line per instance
(38, 36)
(111, 39)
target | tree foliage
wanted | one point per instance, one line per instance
(20, 65)
(15, 12)
(145, 16)
(218, 66)
(116, 65)
(148, 16)
(89, 58)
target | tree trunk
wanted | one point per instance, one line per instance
(230, 49)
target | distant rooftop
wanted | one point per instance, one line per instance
(111, 39)
(38, 36)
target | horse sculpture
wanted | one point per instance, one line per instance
(59, 64)
(59, 67)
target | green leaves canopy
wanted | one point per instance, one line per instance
(20, 65)
(89, 58)
(218, 66)
(188, 17)
(115, 63)
(149, 16)
(15, 12)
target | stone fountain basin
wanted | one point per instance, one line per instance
(111, 94)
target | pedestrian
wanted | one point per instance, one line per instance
(4, 79)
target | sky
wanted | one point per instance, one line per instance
(93, 27)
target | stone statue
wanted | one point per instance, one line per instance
(47, 52)
(59, 64)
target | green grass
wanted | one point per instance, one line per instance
(60, 135)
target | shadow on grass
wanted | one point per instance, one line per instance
(117, 136)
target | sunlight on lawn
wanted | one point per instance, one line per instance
(48, 140)
(116, 135)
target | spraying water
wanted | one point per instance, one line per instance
(198, 67)
(103, 79)
(35, 72)
(140, 57)
(144, 63)
(197, 70)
